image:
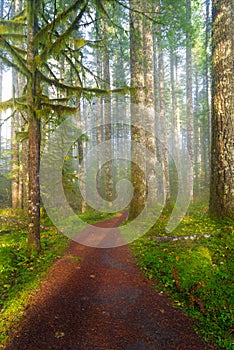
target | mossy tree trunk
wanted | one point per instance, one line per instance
(33, 102)
(222, 148)
(137, 99)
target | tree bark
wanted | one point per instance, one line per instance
(99, 100)
(150, 140)
(16, 183)
(15, 163)
(156, 95)
(222, 148)
(189, 96)
(165, 162)
(137, 100)
(33, 101)
(107, 116)
(208, 69)
(175, 124)
(197, 137)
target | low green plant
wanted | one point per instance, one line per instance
(92, 216)
(196, 273)
(20, 274)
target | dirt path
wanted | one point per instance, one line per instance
(101, 301)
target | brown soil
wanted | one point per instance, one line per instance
(101, 301)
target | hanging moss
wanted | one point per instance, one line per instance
(8, 26)
(20, 17)
(48, 42)
(42, 34)
(13, 103)
(16, 57)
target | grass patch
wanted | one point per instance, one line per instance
(91, 216)
(197, 274)
(20, 274)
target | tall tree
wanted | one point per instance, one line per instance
(163, 129)
(150, 139)
(197, 135)
(137, 101)
(99, 100)
(16, 151)
(208, 66)
(189, 94)
(107, 113)
(222, 150)
(34, 125)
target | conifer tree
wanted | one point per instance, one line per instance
(222, 149)
(189, 95)
(137, 101)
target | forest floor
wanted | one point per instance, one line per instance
(99, 299)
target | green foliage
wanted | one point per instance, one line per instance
(92, 216)
(197, 263)
(198, 274)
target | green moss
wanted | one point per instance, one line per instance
(20, 274)
(195, 271)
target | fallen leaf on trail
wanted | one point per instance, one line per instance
(59, 335)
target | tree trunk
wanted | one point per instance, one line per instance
(165, 163)
(189, 96)
(177, 111)
(137, 100)
(107, 116)
(16, 184)
(24, 173)
(15, 202)
(80, 144)
(197, 137)
(174, 104)
(157, 97)
(175, 126)
(150, 140)
(222, 149)
(208, 69)
(33, 101)
(99, 100)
